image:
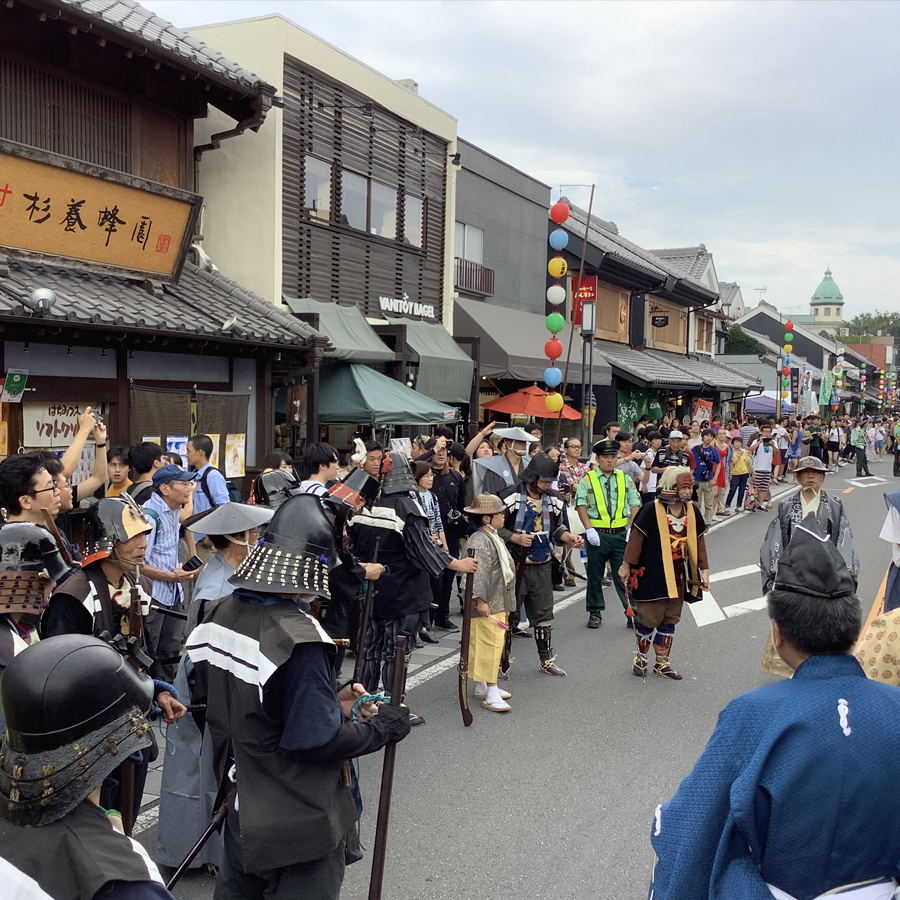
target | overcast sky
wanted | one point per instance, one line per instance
(767, 131)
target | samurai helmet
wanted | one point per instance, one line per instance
(353, 493)
(110, 520)
(540, 468)
(273, 488)
(396, 475)
(29, 561)
(296, 553)
(672, 480)
(75, 710)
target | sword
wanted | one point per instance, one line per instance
(463, 666)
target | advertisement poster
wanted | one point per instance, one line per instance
(402, 445)
(52, 424)
(214, 459)
(235, 455)
(14, 386)
(177, 443)
(703, 410)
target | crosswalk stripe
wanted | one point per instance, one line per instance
(706, 611)
(734, 573)
(738, 609)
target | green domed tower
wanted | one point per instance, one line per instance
(827, 305)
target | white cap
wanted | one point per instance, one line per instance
(675, 434)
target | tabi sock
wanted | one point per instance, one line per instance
(493, 694)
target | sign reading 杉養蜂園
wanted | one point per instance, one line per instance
(51, 205)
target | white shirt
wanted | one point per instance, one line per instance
(780, 434)
(890, 532)
(650, 486)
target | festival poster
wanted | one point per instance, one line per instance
(177, 443)
(235, 455)
(214, 459)
(703, 410)
(826, 389)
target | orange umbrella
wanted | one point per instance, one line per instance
(528, 401)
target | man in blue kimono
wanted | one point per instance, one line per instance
(782, 803)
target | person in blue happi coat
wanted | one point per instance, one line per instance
(784, 801)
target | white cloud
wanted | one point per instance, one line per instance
(765, 130)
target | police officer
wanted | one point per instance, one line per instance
(605, 500)
(74, 710)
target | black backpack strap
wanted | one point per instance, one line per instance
(205, 488)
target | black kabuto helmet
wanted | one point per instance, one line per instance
(273, 488)
(296, 553)
(397, 477)
(29, 560)
(75, 710)
(540, 468)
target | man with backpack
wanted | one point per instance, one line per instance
(145, 459)
(212, 488)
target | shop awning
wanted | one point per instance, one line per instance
(714, 375)
(512, 343)
(353, 339)
(445, 369)
(350, 393)
(644, 368)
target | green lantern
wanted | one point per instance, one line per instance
(555, 323)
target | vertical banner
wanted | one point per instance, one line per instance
(795, 386)
(826, 388)
(583, 290)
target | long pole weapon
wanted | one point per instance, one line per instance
(387, 778)
(464, 648)
(364, 620)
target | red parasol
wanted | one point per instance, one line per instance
(528, 401)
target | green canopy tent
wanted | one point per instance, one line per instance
(353, 393)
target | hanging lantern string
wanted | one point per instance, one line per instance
(565, 384)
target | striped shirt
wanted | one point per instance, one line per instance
(432, 510)
(162, 548)
(748, 432)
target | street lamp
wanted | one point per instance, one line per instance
(588, 329)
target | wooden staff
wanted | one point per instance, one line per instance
(387, 777)
(463, 666)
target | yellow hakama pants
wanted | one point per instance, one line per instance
(486, 647)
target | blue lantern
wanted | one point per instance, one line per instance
(552, 377)
(559, 239)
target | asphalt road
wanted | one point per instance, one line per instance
(554, 801)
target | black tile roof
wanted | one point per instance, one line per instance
(644, 366)
(141, 24)
(199, 304)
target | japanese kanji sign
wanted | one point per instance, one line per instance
(53, 206)
(51, 424)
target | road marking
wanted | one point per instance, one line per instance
(848, 490)
(706, 611)
(147, 819)
(733, 573)
(738, 609)
(452, 659)
(873, 481)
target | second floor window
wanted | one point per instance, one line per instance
(354, 200)
(318, 188)
(470, 243)
(413, 220)
(383, 210)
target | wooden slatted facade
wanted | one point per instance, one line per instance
(326, 259)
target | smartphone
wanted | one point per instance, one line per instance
(193, 563)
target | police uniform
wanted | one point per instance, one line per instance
(608, 500)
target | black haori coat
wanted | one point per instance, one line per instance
(409, 554)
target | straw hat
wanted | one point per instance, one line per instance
(486, 505)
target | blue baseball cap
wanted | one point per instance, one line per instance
(168, 474)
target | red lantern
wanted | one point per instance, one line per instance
(553, 349)
(559, 212)
(788, 326)
(786, 370)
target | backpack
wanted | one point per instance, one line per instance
(234, 495)
(140, 491)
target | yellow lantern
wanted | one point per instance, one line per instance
(788, 348)
(557, 267)
(784, 395)
(553, 402)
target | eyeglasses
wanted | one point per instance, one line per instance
(55, 488)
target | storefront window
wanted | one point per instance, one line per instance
(318, 188)
(354, 196)
(413, 220)
(383, 212)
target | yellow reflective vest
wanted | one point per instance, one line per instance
(606, 520)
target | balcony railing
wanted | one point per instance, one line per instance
(473, 278)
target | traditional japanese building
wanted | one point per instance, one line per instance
(104, 301)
